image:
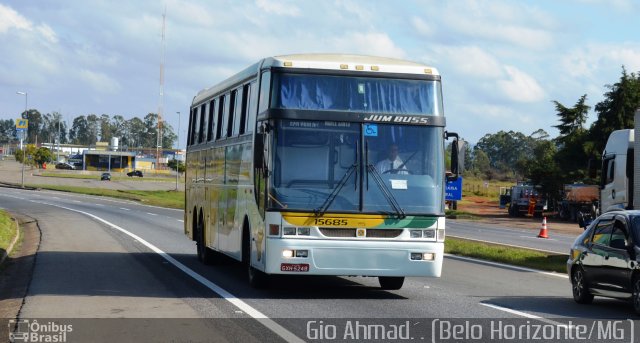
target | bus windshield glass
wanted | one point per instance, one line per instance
(315, 161)
(357, 94)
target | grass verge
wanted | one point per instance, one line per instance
(8, 230)
(509, 255)
(171, 199)
(461, 215)
(114, 177)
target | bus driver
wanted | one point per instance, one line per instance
(392, 164)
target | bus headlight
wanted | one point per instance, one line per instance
(429, 233)
(287, 253)
(415, 233)
(304, 231)
(440, 235)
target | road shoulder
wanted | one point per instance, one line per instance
(17, 270)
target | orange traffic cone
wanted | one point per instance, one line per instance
(543, 230)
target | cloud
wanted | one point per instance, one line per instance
(589, 60)
(279, 8)
(422, 27)
(369, 43)
(471, 61)
(9, 19)
(100, 82)
(499, 22)
(520, 87)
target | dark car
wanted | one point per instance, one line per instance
(105, 177)
(605, 259)
(63, 165)
(134, 173)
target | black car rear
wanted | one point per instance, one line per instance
(604, 259)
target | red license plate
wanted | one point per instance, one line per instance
(291, 267)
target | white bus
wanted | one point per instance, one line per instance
(322, 165)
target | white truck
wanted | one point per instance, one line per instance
(620, 166)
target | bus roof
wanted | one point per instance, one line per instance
(354, 63)
(349, 62)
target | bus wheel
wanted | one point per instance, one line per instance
(205, 255)
(391, 282)
(257, 279)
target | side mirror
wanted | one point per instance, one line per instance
(458, 150)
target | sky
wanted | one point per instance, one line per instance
(502, 62)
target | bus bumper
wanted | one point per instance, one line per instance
(354, 258)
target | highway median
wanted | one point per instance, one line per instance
(522, 257)
(170, 199)
(8, 234)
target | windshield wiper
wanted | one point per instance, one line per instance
(383, 187)
(332, 196)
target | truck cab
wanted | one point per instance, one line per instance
(616, 183)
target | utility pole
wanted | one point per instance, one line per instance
(58, 156)
(177, 149)
(161, 102)
(24, 133)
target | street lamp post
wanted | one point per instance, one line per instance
(23, 134)
(176, 155)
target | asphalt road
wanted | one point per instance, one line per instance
(104, 258)
(556, 243)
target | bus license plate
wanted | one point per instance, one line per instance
(291, 267)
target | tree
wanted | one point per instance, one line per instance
(41, 156)
(172, 164)
(35, 124)
(571, 119)
(7, 131)
(79, 130)
(106, 131)
(615, 112)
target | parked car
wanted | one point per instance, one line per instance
(605, 259)
(62, 165)
(105, 177)
(134, 173)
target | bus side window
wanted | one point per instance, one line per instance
(252, 107)
(265, 87)
(196, 125)
(219, 122)
(244, 108)
(238, 121)
(203, 123)
(231, 112)
(189, 132)
(212, 106)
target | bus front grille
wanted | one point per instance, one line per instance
(371, 233)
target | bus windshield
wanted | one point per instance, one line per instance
(361, 94)
(317, 160)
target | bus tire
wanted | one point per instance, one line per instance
(257, 278)
(391, 282)
(205, 255)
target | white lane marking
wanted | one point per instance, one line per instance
(106, 198)
(125, 209)
(77, 201)
(151, 214)
(508, 245)
(252, 312)
(536, 237)
(56, 198)
(504, 265)
(180, 220)
(527, 315)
